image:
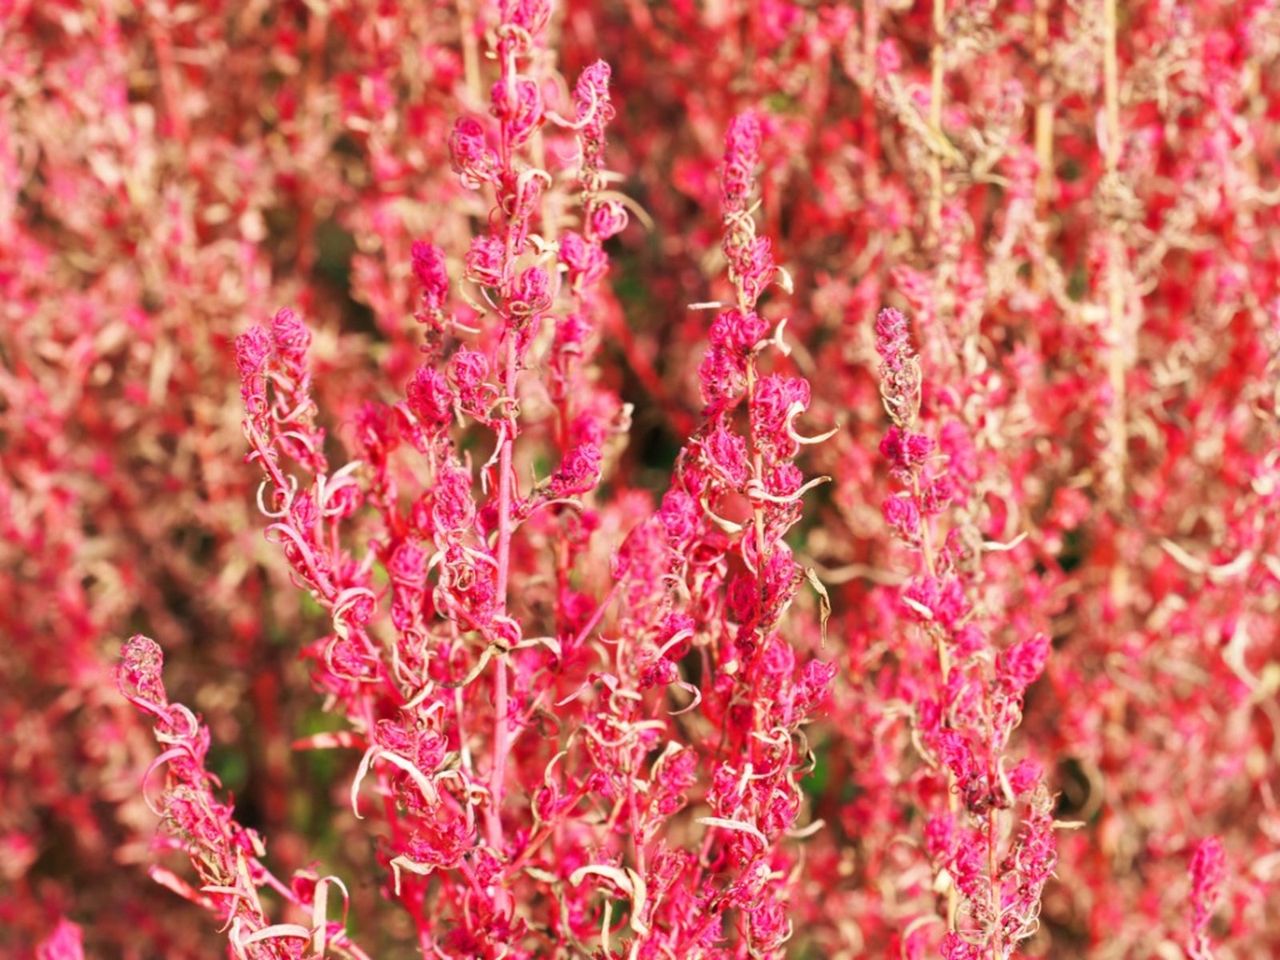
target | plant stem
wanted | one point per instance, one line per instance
(501, 706)
(935, 120)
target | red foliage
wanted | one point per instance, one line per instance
(739, 479)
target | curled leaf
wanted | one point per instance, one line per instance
(824, 600)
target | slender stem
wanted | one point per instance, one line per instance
(757, 470)
(1111, 84)
(501, 706)
(935, 120)
(934, 632)
(506, 445)
(997, 946)
(637, 846)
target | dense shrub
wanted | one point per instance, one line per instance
(640, 480)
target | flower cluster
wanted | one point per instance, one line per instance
(226, 856)
(967, 705)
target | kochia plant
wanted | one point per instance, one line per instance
(560, 756)
(739, 479)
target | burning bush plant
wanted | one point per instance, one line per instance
(714, 480)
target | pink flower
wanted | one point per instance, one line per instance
(906, 451)
(726, 454)
(608, 219)
(578, 473)
(430, 398)
(429, 271)
(519, 106)
(1022, 663)
(253, 348)
(484, 261)
(532, 293)
(585, 260)
(892, 339)
(741, 157)
(472, 160)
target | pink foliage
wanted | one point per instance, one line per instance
(624, 480)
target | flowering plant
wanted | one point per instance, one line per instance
(732, 479)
